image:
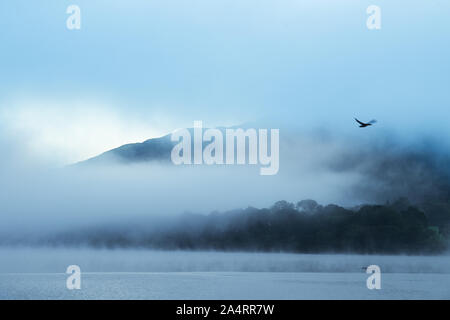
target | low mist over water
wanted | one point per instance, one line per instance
(51, 260)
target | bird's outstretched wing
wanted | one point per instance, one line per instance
(361, 123)
(373, 121)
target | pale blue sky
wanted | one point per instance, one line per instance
(168, 63)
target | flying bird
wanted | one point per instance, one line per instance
(363, 125)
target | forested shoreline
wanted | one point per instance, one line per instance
(304, 227)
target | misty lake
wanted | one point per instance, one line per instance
(37, 273)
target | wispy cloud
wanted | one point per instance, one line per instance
(64, 132)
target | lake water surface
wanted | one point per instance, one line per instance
(36, 273)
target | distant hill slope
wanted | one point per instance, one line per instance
(156, 149)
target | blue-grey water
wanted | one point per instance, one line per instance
(36, 273)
